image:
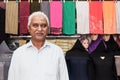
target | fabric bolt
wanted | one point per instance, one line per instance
(34, 6)
(96, 18)
(109, 17)
(77, 59)
(56, 17)
(69, 26)
(2, 5)
(11, 18)
(118, 16)
(45, 7)
(24, 13)
(82, 9)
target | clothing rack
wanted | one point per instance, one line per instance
(48, 37)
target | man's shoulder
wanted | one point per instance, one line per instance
(21, 48)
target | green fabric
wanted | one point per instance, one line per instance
(35, 6)
(69, 18)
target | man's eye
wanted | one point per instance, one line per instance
(35, 25)
(44, 25)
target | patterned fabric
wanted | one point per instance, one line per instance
(82, 9)
(96, 18)
(109, 16)
(55, 17)
(69, 18)
(24, 13)
(11, 17)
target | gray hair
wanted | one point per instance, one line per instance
(38, 13)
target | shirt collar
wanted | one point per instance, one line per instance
(30, 44)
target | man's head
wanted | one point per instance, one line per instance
(38, 26)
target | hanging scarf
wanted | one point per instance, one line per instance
(96, 23)
(24, 13)
(11, 17)
(109, 16)
(118, 16)
(34, 6)
(82, 9)
(44, 7)
(55, 17)
(69, 17)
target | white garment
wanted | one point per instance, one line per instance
(118, 16)
(82, 9)
(28, 63)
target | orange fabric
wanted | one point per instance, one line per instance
(109, 15)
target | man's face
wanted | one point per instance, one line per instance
(38, 28)
(106, 37)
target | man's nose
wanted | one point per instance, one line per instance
(39, 28)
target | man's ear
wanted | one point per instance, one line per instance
(28, 28)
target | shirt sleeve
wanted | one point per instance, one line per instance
(13, 73)
(63, 72)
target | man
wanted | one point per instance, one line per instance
(38, 59)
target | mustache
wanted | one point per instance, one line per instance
(39, 32)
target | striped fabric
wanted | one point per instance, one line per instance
(55, 17)
(109, 17)
(11, 17)
(82, 9)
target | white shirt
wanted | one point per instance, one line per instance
(28, 63)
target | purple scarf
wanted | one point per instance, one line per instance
(93, 45)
